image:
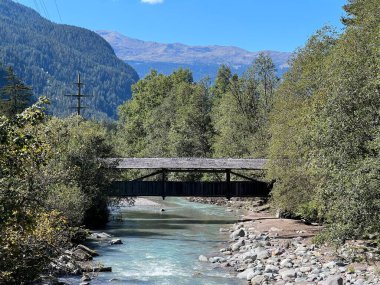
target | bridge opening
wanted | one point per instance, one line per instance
(249, 187)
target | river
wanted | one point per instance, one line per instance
(163, 247)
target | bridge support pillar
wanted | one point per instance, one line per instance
(163, 179)
(228, 182)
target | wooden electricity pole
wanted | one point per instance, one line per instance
(79, 96)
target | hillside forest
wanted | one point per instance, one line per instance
(49, 56)
(319, 125)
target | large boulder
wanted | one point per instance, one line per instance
(91, 252)
(81, 255)
(238, 233)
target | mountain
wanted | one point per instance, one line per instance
(48, 56)
(202, 60)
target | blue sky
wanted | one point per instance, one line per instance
(254, 25)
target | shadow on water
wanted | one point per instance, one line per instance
(150, 215)
(166, 224)
(186, 239)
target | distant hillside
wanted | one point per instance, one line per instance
(48, 56)
(202, 60)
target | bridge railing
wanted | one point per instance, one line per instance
(186, 189)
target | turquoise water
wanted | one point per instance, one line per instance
(163, 247)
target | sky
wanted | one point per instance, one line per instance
(254, 25)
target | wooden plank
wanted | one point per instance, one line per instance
(181, 163)
(186, 189)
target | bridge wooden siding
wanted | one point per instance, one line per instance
(161, 166)
(186, 163)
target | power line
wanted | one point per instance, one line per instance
(37, 6)
(42, 2)
(59, 13)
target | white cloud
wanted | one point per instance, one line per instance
(152, 1)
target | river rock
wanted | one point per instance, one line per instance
(100, 235)
(288, 274)
(238, 233)
(305, 269)
(258, 280)
(249, 255)
(334, 280)
(244, 274)
(262, 253)
(81, 255)
(96, 268)
(85, 278)
(91, 252)
(237, 245)
(217, 259)
(329, 265)
(271, 269)
(202, 258)
(116, 241)
(286, 263)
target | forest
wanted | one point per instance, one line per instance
(319, 125)
(49, 56)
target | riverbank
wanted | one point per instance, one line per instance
(268, 250)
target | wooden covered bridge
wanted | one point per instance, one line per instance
(248, 187)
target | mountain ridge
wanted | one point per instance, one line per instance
(201, 59)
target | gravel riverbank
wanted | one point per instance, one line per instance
(266, 250)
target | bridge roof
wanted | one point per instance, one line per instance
(185, 163)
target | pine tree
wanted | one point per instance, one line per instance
(15, 95)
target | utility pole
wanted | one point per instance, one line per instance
(79, 96)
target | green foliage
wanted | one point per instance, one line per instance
(15, 96)
(51, 179)
(29, 234)
(191, 130)
(325, 128)
(167, 116)
(240, 114)
(67, 199)
(48, 57)
(291, 125)
(76, 146)
(28, 247)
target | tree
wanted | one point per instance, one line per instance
(265, 72)
(15, 95)
(240, 114)
(190, 133)
(74, 172)
(347, 137)
(291, 126)
(222, 82)
(325, 128)
(30, 235)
